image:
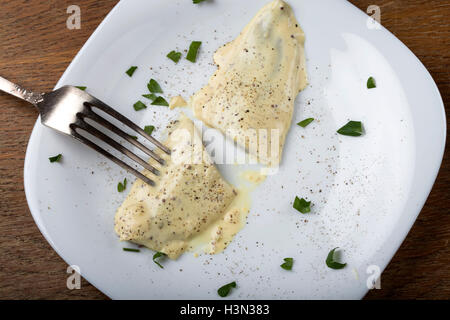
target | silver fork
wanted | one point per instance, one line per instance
(66, 109)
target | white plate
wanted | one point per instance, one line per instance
(367, 191)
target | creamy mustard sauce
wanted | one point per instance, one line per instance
(253, 176)
(177, 101)
(219, 234)
(188, 197)
(258, 78)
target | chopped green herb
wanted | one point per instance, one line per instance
(131, 71)
(371, 83)
(81, 88)
(305, 122)
(134, 137)
(122, 186)
(288, 263)
(154, 86)
(193, 50)
(333, 264)
(149, 96)
(174, 56)
(55, 158)
(131, 250)
(139, 106)
(302, 205)
(149, 129)
(156, 256)
(197, 1)
(225, 290)
(160, 101)
(352, 128)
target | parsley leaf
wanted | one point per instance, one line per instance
(150, 96)
(131, 71)
(193, 50)
(174, 56)
(333, 264)
(154, 86)
(302, 205)
(139, 106)
(305, 122)
(288, 263)
(131, 250)
(56, 158)
(149, 129)
(160, 101)
(122, 186)
(371, 83)
(225, 290)
(81, 88)
(156, 256)
(352, 128)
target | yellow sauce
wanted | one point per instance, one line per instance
(253, 176)
(251, 96)
(177, 101)
(219, 234)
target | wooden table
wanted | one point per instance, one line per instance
(36, 47)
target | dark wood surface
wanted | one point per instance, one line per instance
(36, 47)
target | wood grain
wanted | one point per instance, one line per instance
(36, 47)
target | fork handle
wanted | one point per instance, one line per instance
(16, 90)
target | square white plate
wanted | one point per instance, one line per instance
(366, 191)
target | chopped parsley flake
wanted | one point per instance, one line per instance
(302, 205)
(371, 83)
(288, 263)
(131, 250)
(139, 106)
(225, 290)
(174, 56)
(352, 128)
(149, 96)
(149, 129)
(156, 256)
(160, 101)
(193, 50)
(131, 71)
(122, 186)
(81, 88)
(154, 86)
(56, 158)
(333, 264)
(305, 122)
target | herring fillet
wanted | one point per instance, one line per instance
(189, 195)
(251, 96)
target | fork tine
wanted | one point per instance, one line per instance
(104, 107)
(92, 115)
(95, 132)
(108, 155)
